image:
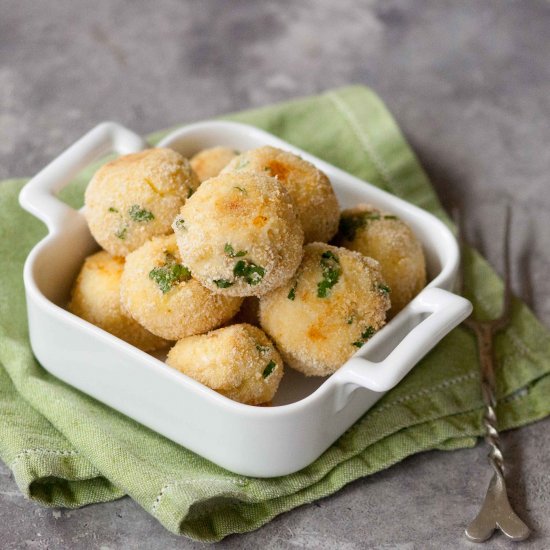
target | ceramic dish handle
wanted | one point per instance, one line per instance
(438, 311)
(39, 195)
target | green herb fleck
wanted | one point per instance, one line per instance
(262, 349)
(330, 266)
(383, 288)
(121, 232)
(230, 251)
(169, 274)
(241, 190)
(390, 217)
(139, 214)
(350, 319)
(269, 369)
(179, 223)
(252, 273)
(113, 209)
(223, 283)
(190, 192)
(292, 293)
(368, 333)
(349, 224)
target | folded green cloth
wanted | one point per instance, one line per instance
(66, 449)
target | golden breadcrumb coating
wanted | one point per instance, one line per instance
(310, 189)
(210, 162)
(95, 297)
(336, 301)
(392, 243)
(158, 291)
(238, 361)
(239, 234)
(135, 197)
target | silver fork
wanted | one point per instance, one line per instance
(496, 511)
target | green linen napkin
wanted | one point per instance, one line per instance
(66, 449)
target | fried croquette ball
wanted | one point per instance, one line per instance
(239, 234)
(309, 188)
(210, 162)
(158, 291)
(336, 301)
(392, 243)
(95, 297)
(136, 197)
(238, 361)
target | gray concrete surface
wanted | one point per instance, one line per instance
(469, 82)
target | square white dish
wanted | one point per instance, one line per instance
(309, 414)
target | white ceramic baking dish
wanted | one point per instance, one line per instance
(309, 413)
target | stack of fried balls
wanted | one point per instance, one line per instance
(240, 264)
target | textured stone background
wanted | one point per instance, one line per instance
(469, 82)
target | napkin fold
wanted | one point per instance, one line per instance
(68, 450)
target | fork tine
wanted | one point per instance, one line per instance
(504, 318)
(460, 284)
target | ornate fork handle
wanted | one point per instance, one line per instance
(496, 511)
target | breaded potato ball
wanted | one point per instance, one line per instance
(95, 297)
(210, 162)
(158, 291)
(336, 301)
(309, 188)
(136, 197)
(239, 234)
(238, 361)
(392, 243)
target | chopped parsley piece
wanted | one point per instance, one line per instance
(113, 209)
(351, 223)
(330, 266)
(269, 369)
(121, 232)
(262, 349)
(292, 293)
(383, 288)
(241, 190)
(230, 251)
(223, 283)
(350, 319)
(368, 333)
(390, 217)
(169, 274)
(252, 273)
(139, 214)
(179, 223)
(349, 226)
